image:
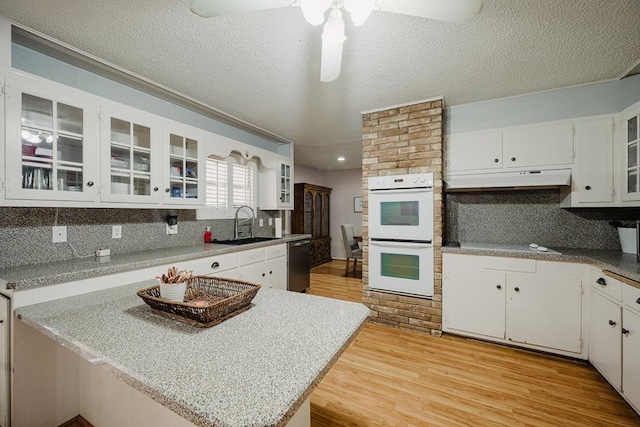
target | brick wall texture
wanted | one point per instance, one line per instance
(397, 141)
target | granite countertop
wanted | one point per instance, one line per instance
(254, 369)
(615, 261)
(35, 275)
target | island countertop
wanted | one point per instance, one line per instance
(254, 369)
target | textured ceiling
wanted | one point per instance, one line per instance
(263, 67)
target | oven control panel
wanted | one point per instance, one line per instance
(417, 180)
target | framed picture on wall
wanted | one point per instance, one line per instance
(357, 204)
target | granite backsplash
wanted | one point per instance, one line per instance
(26, 233)
(523, 217)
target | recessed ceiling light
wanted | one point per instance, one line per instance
(341, 159)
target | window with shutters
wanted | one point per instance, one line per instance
(230, 183)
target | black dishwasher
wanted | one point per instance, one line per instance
(299, 265)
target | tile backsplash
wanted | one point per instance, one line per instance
(523, 217)
(25, 233)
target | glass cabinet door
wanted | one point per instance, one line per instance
(317, 215)
(285, 185)
(308, 212)
(49, 156)
(130, 152)
(631, 138)
(182, 167)
(325, 215)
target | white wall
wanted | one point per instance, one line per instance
(308, 175)
(346, 185)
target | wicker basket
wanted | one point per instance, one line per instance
(207, 301)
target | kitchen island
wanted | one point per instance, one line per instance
(255, 369)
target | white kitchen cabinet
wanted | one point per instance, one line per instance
(630, 142)
(474, 301)
(605, 345)
(535, 304)
(276, 266)
(52, 141)
(5, 366)
(184, 168)
(265, 266)
(539, 145)
(473, 151)
(224, 265)
(631, 357)
(592, 180)
(131, 155)
(276, 186)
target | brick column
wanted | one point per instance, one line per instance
(402, 140)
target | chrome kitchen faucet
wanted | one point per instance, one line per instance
(236, 221)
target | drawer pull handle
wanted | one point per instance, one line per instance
(588, 187)
(216, 264)
(612, 323)
(625, 331)
(601, 282)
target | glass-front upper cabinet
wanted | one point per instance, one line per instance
(184, 174)
(51, 141)
(131, 155)
(286, 194)
(631, 140)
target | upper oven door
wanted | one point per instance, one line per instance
(402, 214)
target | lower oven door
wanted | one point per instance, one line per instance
(404, 267)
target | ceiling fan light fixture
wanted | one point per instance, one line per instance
(332, 40)
(359, 10)
(314, 10)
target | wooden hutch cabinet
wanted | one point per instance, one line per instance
(311, 216)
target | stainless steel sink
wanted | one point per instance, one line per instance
(245, 240)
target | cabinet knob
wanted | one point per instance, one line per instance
(215, 264)
(625, 331)
(612, 323)
(263, 274)
(166, 190)
(90, 184)
(516, 289)
(155, 188)
(496, 160)
(499, 286)
(638, 301)
(601, 282)
(513, 159)
(271, 272)
(588, 187)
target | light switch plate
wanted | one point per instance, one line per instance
(116, 232)
(59, 234)
(270, 221)
(261, 222)
(172, 229)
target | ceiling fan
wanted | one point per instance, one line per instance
(315, 12)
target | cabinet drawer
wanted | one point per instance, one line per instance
(276, 251)
(210, 265)
(509, 264)
(252, 255)
(632, 297)
(605, 284)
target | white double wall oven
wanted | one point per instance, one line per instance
(401, 234)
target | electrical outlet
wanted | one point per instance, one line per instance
(59, 234)
(172, 229)
(116, 232)
(261, 222)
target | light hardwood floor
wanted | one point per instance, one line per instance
(389, 377)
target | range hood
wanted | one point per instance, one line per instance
(523, 180)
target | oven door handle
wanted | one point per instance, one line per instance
(402, 243)
(401, 190)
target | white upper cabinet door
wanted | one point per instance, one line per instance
(474, 301)
(131, 155)
(52, 141)
(542, 145)
(630, 168)
(631, 358)
(605, 345)
(184, 169)
(545, 311)
(592, 178)
(474, 151)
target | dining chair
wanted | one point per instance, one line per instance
(351, 247)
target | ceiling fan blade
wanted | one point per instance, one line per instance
(442, 10)
(210, 8)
